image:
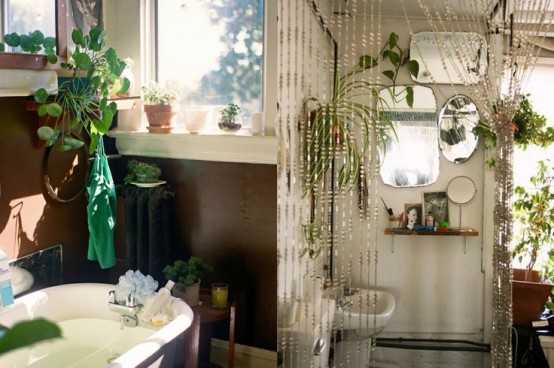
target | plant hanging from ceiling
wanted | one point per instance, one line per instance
(332, 126)
(344, 128)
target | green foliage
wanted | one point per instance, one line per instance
(27, 333)
(185, 273)
(315, 236)
(137, 170)
(34, 42)
(534, 210)
(229, 112)
(238, 76)
(83, 104)
(154, 94)
(330, 128)
(529, 129)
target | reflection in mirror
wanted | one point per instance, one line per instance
(410, 157)
(26, 16)
(457, 119)
(463, 53)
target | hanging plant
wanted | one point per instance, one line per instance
(82, 101)
(332, 126)
(528, 125)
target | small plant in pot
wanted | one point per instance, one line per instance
(534, 211)
(142, 172)
(160, 107)
(187, 275)
(229, 118)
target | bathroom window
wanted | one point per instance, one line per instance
(213, 50)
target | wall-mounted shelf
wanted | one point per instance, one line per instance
(450, 232)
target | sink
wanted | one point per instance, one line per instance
(361, 316)
(22, 280)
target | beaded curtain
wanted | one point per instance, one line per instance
(317, 38)
(512, 29)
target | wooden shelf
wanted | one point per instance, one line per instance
(449, 232)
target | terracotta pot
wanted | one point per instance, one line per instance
(161, 118)
(528, 297)
(191, 295)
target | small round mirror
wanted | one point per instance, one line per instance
(457, 119)
(461, 190)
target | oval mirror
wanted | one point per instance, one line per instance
(410, 156)
(457, 119)
(461, 190)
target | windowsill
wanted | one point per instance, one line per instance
(239, 147)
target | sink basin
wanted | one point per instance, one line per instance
(22, 280)
(367, 312)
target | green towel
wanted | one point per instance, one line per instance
(101, 210)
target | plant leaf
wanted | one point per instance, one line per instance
(414, 68)
(77, 37)
(394, 57)
(45, 132)
(26, 333)
(389, 74)
(41, 95)
(54, 109)
(410, 96)
(393, 39)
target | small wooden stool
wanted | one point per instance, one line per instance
(198, 335)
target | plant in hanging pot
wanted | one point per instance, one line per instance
(82, 100)
(142, 172)
(187, 276)
(160, 107)
(529, 128)
(534, 212)
(229, 118)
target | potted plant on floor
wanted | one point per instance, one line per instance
(229, 118)
(160, 107)
(142, 172)
(187, 276)
(534, 211)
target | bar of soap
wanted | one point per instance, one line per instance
(159, 320)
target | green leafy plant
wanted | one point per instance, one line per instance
(186, 273)
(529, 129)
(229, 112)
(331, 126)
(26, 333)
(315, 237)
(83, 104)
(534, 210)
(34, 42)
(142, 172)
(155, 94)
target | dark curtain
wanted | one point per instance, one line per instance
(149, 232)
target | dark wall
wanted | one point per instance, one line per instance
(226, 213)
(223, 212)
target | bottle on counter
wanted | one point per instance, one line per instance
(159, 300)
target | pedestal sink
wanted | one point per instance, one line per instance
(365, 313)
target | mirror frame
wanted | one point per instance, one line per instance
(11, 60)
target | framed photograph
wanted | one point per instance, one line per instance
(412, 215)
(87, 14)
(437, 204)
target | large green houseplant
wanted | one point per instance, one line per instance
(534, 212)
(82, 103)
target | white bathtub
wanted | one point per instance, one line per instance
(93, 336)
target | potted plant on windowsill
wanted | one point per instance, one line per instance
(187, 276)
(160, 107)
(229, 118)
(534, 210)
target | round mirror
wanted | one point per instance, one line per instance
(461, 190)
(457, 119)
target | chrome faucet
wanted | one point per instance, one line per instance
(342, 304)
(127, 310)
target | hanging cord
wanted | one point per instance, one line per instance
(46, 179)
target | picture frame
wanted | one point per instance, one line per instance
(408, 215)
(87, 14)
(436, 203)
